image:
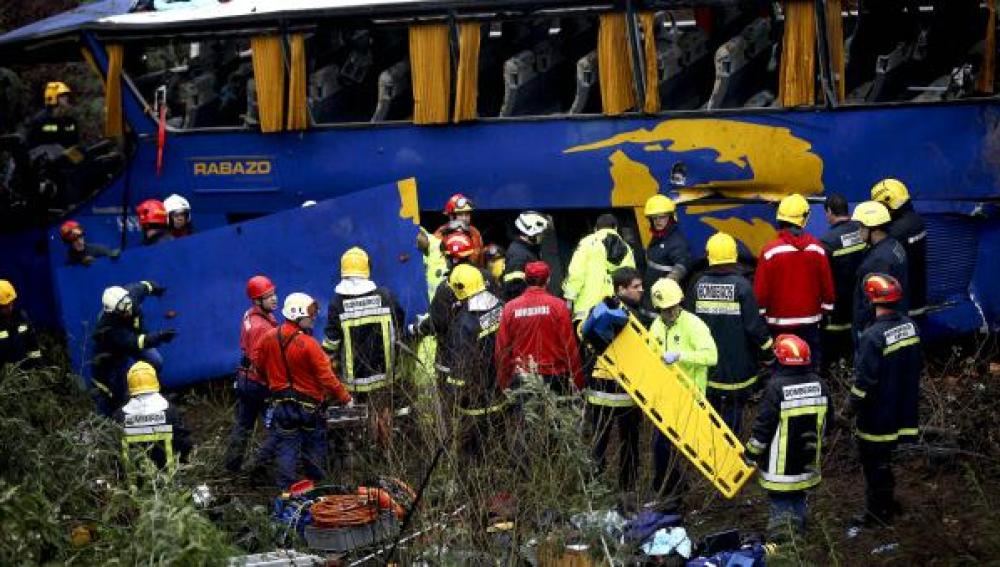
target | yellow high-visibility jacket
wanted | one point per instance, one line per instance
(692, 338)
(588, 278)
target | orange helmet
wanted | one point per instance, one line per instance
(882, 288)
(70, 231)
(458, 203)
(152, 212)
(790, 350)
(458, 245)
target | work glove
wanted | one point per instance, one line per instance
(413, 329)
(161, 337)
(671, 357)
(156, 289)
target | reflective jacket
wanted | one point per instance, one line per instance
(886, 257)
(793, 283)
(46, 128)
(908, 229)
(435, 265)
(788, 431)
(473, 342)
(536, 336)
(152, 424)
(845, 249)
(361, 333)
(886, 390)
(668, 255)
(519, 255)
(602, 388)
(441, 314)
(117, 339)
(296, 368)
(256, 323)
(18, 341)
(724, 300)
(588, 279)
(691, 338)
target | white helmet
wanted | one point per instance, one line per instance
(531, 224)
(299, 305)
(176, 204)
(116, 299)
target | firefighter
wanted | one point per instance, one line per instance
(153, 222)
(531, 227)
(793, 283)
(178, 216)
(55, 124)
(668, 254)
(18, 342)
(908, 229)
(885, 255)
(121, 337)
(845, 249)
(724, 300)
(252, 391)
(459, 209)
(435, 261)
(885, 394)
(495, 258)
(536, 336)
(597, 256)
(685, 340)
(80, 252)
(302, 383)
(150, 422)
(787, 434)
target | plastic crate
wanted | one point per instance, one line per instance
(352, 538)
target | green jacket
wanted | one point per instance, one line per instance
(588, 279)
(690, 337)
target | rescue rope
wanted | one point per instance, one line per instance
(344, 510)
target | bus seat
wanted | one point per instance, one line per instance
(252, 116)
(957, 84)
(395, 97)
(686, 71)
(763, 99)
(741, 66)
(542, 79)
(587, 99)
(200, 98)
(324, 84)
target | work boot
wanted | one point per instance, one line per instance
(867, 520)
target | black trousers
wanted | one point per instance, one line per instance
(602, 419)
(880, 484)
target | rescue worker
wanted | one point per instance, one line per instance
(153, 222)
(787, 434)
(55, 124)
(885, 255)
(724, 300)
(793, 282)
(885, 394)
(524, 249)
(79, 251)
(120, 338)
(252, 391)
(668, 254)
(685, 340)
(597, 256)
(18, 341)
(845, 249)
(150, 422)
(496, 262)
(908, 229)
(178, 216)
(459, 209)
(435, 261)
(536, 336)
(302, 383)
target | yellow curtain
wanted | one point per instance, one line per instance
(269, 78)
(835, 39)
(615, 65)
(430, 72)
(651, 104)
(987, 74)
(113, 125)
(467, 79)
(298, 109)
(797, 82)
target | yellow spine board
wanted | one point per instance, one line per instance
(677, 407)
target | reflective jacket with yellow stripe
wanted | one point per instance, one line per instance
(18, 341)
(588, 278)
(690, 337)
(361, 333)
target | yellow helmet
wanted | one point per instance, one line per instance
(793, 209)
(666, 293)
(891, 193)
(721, 249)
(142, 379)
(53, 91)
(354, 264)
(7, 292)
(497, 267)
(871, 214)
(466, 280)
(660, 205)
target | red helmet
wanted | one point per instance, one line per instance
(790, 350)
(259, 286)
(152, 212)
(458, 203)
(537, 272)
(70, 231)
(458, 245)
(882, 288)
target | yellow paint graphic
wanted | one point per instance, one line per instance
(408, 206)
(705, 209)
(754, 234)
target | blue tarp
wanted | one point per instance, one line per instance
(68, 21)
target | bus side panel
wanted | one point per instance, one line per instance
(26, 265)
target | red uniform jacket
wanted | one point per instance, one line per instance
(536, 332)
(477, 242)
(311, 377)
(256, 323)
(793, 283)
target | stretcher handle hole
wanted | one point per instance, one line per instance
(656, 415)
